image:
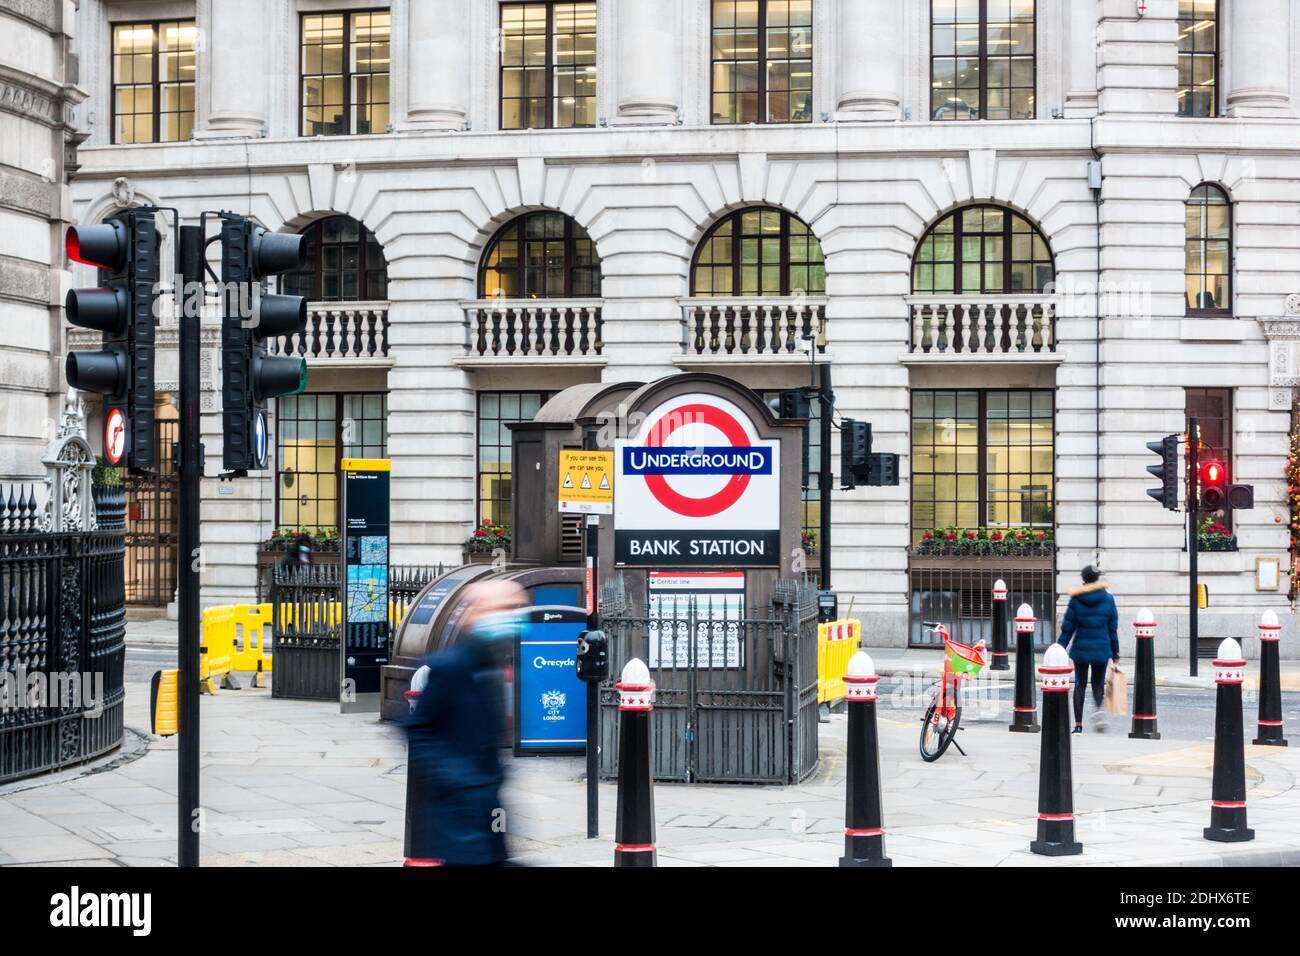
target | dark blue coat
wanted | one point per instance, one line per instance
(454, 791)
(1092, 621)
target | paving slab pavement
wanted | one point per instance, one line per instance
(296, 783)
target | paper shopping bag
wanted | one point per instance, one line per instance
(1116, 701)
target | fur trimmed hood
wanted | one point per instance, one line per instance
(1089, 588)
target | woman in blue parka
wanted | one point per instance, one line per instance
(1090, 632)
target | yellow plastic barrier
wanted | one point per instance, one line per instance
(217, 649)
(837, 641)
(164, 703)
(252, 631)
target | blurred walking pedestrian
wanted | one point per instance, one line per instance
(456, 817)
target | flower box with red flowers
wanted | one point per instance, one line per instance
(987, 542)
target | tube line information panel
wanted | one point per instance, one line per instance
(364, 648)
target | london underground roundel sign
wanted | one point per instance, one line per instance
(697, 487)
(114, 436)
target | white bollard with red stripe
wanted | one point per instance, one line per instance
(1269, 733)
(1228, 794)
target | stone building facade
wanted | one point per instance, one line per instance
(38, 92)
(934, 193)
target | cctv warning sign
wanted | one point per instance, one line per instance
(587, 482)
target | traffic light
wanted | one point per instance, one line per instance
(125, 249)
(1213, 491)
(882, 469)
(796, 403)
(1167, 471)
(1218, 494)
(855, 451)
(249, 375)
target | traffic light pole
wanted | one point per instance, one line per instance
(825, 479)
(189, 462)
(591, 527)
(1193, 509)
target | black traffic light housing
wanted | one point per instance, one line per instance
(249, 374)
(797, 403)
(1168, 471)
(882, 469)
(125, 248)
(1217, 493)
(855, 451)
(593, 656)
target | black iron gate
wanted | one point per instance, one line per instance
(735, 696)
(151, 502)
(62, 636)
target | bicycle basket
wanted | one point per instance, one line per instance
(964, 658)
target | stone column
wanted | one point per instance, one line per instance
(437, 65)
(236, 47)
(1139, 63)
(871, 60)
(649, 52)
(1259, 60)
(1082, 33)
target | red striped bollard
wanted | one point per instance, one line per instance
(864, 822)
(1055, 778)
(999, 641)
(634, 826)
(1228, 796)
(1270, 684)
(1144, 677)
(1024, 714)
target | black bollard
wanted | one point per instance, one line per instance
(414, 829)
(1228, 796)
(1024, 714)
(1270, 684)
(1055, 778)
(1144, 677)
(864, 822)
(999, 641)
(634, 827)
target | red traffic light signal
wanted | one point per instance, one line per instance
(1213, 474)
(105, 245)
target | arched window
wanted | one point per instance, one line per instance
(759, 252)
(540, 255)
(1209, 250)
(982, 250)
(344, 263)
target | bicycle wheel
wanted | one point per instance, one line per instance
(937, 731)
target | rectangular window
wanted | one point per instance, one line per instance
(762, 61)
(345, 73)
(153, 81)
(495, 411)
(982, 59)
(982, 459)
(548, 65)
(1212, 408)
(1198, 58)
(314, 432)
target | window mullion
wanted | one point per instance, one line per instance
(761, 53)
(155, 84)
(550, 66)
(984, 67)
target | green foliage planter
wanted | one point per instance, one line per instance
(987, 542)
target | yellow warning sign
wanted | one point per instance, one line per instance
(586, 482)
